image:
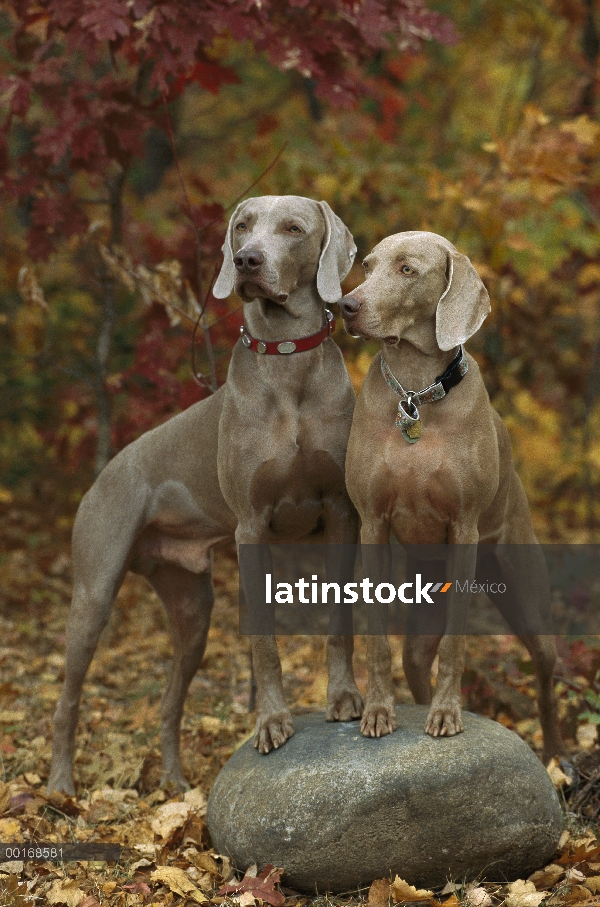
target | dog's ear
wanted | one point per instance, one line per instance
(337, 255)
(463, 305)
(224, 283)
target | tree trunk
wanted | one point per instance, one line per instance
(107, 324)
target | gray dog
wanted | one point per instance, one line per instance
(267, 436)
(429, 459)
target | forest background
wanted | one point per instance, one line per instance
(129, 128)
(486, 133)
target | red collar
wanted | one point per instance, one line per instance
(284, 347)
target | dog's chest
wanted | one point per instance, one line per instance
(426, 487)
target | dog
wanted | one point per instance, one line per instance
(157, 508)
(435, 468)
(286, 417)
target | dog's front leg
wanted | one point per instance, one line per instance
(445, 715)
(344, 701)
(273, 719)
(379, 713)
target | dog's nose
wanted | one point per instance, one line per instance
(248, 259)
(349, 306)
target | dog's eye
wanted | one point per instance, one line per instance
(406, 269)
(365, 266)
(241, 226)
(294, 229)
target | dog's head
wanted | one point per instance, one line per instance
(419, 288)
(278, 243)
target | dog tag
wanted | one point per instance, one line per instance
(413, 433)
(408, 420)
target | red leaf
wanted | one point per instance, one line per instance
(211, 76)
(107, 19)
(261, 886)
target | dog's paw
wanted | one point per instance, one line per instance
(272, 731)
(174, 781)
(61, 782)
(378, 720)
(444, 721)
(344, 705)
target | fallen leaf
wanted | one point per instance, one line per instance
(210, 725)
(574, 875)
(15, 866)
(587, 736)
(111, 795)
(478, 896)
(138, 888)
(246, 899)
(450, 888)
(32, 779)
(196, 800)
(546, 878)
(8, 717)
(379, 893)
(564, 839)
(195, 831)
(593, 883)
(170, 817)
(178, 882)
(261, 886)
(524, 894)
(62, 892)
(402, 891)
(205, 862)
(578, 894)
(10, 830)
(557, 776)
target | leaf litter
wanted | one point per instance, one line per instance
(167, 856)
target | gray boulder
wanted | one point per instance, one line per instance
(337, 810)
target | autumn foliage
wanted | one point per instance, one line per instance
(130, 128)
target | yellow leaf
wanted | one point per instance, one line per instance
(524, 894)
(557, 776)
(402, 891)
(593, 883)
(584, 129)
(7, 717)
(62, 892)
(10, 830)
(169, 817)
(590, 273)
(178, 882)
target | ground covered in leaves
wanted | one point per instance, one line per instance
(167, 856)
